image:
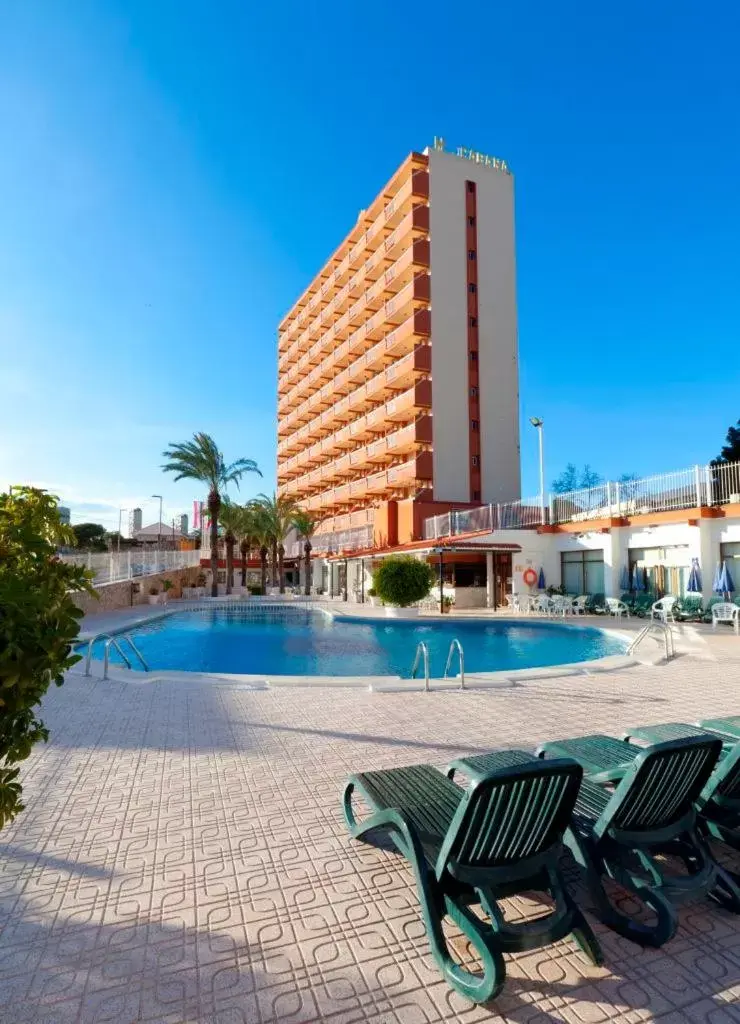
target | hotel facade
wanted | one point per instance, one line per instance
(398, 367)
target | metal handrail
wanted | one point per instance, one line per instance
(663, 629)
(421, 651)
(135, 649)
(111, 640)
(91, 644)
(106, 657)
(456, 646)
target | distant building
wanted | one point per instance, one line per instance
(163, 533)
(64, 514)
(184, 524)
(135, 522)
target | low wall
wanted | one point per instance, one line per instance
(131, 592)
(470, 597)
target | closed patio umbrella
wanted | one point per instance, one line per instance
(693, 585)
(638, 579)
(624, 578)
(723, 583)
(541, 580)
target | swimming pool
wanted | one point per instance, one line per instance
(293, 641)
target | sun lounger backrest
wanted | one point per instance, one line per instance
(661, 786)
(510, 816)
(724, 786)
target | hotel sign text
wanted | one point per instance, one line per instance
(474, 155)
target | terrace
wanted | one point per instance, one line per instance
(183, 857)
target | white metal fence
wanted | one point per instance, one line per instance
(355, 539)
(697, 486)
(513, 515)
(112, 567)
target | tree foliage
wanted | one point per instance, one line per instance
(201, 459)
(731, 450)
(402, 580)
(39, 624)
(90, 536)
(571, 479)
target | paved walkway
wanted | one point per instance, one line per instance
(182, 858)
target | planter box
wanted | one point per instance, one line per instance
(392, 612)
(154, 598)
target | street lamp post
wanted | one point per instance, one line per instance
(538, 424)
(159, 524)
(120, 513)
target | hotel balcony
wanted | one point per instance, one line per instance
(401, 408)
(417, 326)
(391, 249)
(409, 185)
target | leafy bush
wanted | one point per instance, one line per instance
(402, 580)
(372, 592)
(38, 625)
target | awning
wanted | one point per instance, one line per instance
(444, 545)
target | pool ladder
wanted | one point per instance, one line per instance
(660, 631)
(112, 641)
(422, 654)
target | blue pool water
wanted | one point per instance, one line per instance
(295, 642)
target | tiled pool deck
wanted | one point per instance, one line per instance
(183, 858)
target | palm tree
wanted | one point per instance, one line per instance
(201, 460)
(306, 526)
(279, 512)
(261, 531)
(247, 537)
(230, 516)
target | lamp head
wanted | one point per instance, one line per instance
(535, 421)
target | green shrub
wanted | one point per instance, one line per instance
(402, 580)
(372, 592)
(39, 623)
(254, 589)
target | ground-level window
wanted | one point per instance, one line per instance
(664, 570)
(730, 553)
(582, 572)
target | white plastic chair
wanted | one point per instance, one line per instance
(616, 607)
(663, 609)
(579, 605)
(560, 605)
(543, 604)
(726, 612)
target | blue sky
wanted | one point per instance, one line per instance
(173, 173)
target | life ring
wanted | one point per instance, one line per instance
(530, 577)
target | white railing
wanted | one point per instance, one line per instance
(112, 567)
(513, 515)
(355, 539)
(723, 484)
(697, 486)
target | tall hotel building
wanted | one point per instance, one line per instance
(397, 367)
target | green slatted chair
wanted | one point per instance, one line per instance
(726, 726)
(499, 837)
(719, 802)
(618, 834)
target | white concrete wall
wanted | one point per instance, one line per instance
(498, 358)
(498, 366)
(449, 289)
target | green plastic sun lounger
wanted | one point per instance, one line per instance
(726, 726)
(472, 847)
(719, 801)
(651, 812)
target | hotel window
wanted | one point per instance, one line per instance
(471, 186)
(474, 321)
(476, 460)
(730, 553)
(665, 570)
(474, 424)
(471, 221)
(472, 288)
(471, 254)
(473, 357)
(474, 391)
(582, 572)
